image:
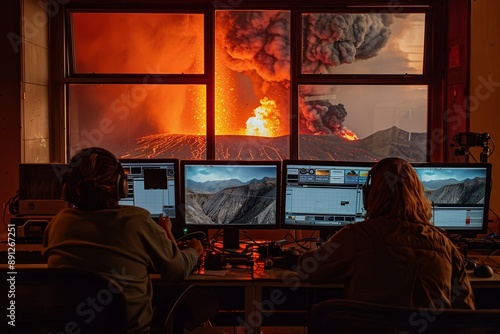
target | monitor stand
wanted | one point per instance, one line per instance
(231, 238)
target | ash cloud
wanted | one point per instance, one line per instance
(318, 114)
(257, 43)
(322, 117)
(334, 39)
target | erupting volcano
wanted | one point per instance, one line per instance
(252, 83)
(252, 76)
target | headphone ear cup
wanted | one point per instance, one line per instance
(121, 180)
(122, 186)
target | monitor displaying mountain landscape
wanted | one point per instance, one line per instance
(459, 194)
(221, 193)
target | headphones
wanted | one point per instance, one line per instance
(121, 180)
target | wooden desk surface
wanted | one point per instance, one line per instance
(254, 283)
(278, 276)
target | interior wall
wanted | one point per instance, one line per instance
(10, 93)
(457, 72)
(35, 82)
(484, 92)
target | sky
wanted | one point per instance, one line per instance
(429, 174)
(226, 172)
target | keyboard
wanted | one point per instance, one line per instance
(481, 243)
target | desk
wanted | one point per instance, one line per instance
(268, 290)
(486, 290)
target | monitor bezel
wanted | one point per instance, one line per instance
(203, 227)
(325, 230)
(177, 222)
(466, 232)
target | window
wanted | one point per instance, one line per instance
(251, 82)
(369, 121)
(137, 43)
(362, 122)
(120, 94)
(370, 42)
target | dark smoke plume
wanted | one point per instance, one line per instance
(334, 39)
(257, 43)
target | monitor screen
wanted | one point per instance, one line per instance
(152, 185)
(228, 195)
(323, 195)
(41, 188)
(459, 194)
(41, 181)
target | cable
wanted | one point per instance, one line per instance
(200, 235)
(498, 218)
(493, 149)
(470, 154)
(13, 206)
(297, 242)
(247, 236)
(213, 241)
(489, 257)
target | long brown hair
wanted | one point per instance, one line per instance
(395, 191)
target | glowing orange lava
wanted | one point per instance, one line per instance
(349, 135)
(264, 123)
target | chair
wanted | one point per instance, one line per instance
(347, 316)
(63, 301)
(182, 306)
(166, 300)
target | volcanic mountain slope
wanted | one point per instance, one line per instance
(250, 203)
(395, 142)
(458, 192)
(390, 142)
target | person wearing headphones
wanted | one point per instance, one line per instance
(120, 242)
(395, 256)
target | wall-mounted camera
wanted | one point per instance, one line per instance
(472, 139)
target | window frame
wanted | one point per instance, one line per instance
(433, 72)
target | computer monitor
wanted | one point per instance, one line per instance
(323, 195)
(153, 185)
(230, 195)
(459, 193)
(41, 188)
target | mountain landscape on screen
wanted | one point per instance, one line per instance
(231, 202)
(453, 191)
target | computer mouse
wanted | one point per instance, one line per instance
(482, 270)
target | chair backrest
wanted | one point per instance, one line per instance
(63, 301)
(347, 316)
